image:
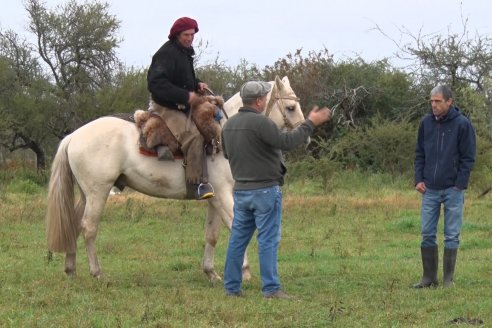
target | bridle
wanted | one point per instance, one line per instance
(274, 98)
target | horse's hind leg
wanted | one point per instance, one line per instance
(70, 264)
(90, 223)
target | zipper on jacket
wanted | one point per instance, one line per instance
(437, 150)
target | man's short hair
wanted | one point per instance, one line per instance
(443, 90)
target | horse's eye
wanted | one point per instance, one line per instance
(291, 108)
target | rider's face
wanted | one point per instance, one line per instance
(186, 37)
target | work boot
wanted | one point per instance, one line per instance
(205, 191)
(430, 257)
(164, 153)
(237, 294)
(278, 294)
(448, 264)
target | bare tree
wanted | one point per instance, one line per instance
(457, 58)
(462, 59)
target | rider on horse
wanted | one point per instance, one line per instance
(173, 87)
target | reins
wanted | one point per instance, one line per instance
(273, 99)
(221, 107)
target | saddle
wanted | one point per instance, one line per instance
(155, 132)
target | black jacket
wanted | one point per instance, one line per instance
(445, 151)
(171, 75)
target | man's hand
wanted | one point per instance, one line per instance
(420, 187)
(193, 97)
(201, 87)
(319, 115)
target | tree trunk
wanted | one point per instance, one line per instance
(40, 156)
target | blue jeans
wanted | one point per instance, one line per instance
(255, 209)
(453, 201)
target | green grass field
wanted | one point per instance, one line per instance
(349, 254)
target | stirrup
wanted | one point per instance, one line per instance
(205, 191)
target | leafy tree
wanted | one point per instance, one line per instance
(356, 90)
(226, 81)
(77, 45)
(25, 97)
(54, 83)
(127, 93)
(310, 76)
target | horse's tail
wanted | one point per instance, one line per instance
(61, 221)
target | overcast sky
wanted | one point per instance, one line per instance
(262, 31)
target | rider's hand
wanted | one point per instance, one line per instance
(202, 86)
(193, 97)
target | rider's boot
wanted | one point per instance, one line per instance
(192, 147)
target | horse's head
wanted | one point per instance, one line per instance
(283, 105)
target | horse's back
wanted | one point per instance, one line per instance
(106, 151)
(102, 144)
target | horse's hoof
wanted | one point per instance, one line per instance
(97, 275)
(213, 276)
(71, 274)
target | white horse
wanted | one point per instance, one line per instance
(105, 152)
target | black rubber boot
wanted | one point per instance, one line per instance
(448, 264)
(430, 259)
(205, 191)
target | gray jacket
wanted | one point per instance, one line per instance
(253, 144)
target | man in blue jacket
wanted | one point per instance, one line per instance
(444, 158)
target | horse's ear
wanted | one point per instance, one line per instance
(285, 80)
(279, 83)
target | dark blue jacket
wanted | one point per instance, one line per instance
(445, 151)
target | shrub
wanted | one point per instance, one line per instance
(18, 177)
(23, 186)
(481, 176)
(382, 146)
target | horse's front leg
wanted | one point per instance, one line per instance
(224, 211)
(212, 226)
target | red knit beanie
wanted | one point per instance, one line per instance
(182, 24)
